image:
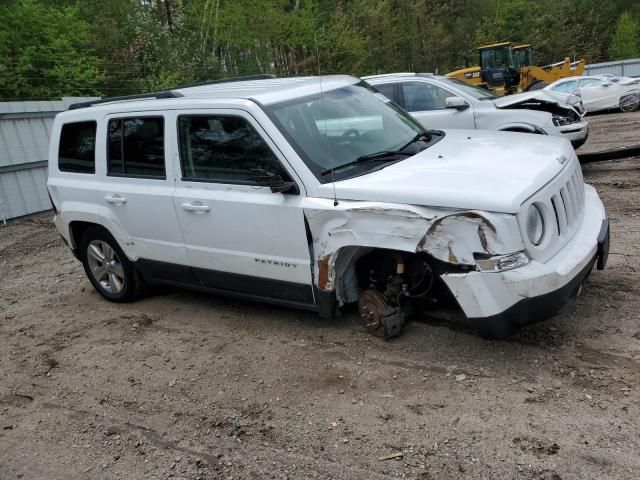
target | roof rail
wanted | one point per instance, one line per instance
(167, 93)
(383, 75)
(91, 103)
(264, 76)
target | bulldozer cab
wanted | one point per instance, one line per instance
(497, 66)
(522, 56)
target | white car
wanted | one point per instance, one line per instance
(445, 103)
(320, 192)
(601, 92)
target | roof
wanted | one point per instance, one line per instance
(263, 91)
(255, 89)
(493, 45)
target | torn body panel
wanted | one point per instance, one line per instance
(572, 114)
(346, 232)
(552, 102)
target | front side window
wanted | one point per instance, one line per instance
(224, 149)
(136, 147)
(77, 149)
(422, 96)
(487, 59)
(348, 131)
(478, 93)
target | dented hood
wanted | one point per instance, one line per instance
(467, 169)
(561, 99)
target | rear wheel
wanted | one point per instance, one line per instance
(108, 268)
(629, 103)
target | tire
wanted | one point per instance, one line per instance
(627, 105)
(108, 268)
(578, 143)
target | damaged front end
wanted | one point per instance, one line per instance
(562, 115)
(388, 259)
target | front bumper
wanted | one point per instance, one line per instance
(499, 302)
(577, 133)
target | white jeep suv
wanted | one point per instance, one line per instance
(319, 192)
(442, 102)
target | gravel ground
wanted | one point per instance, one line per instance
(186, 385)
(611, 131)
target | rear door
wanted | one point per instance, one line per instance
(240, 236)
(136, 192)
(426, 103)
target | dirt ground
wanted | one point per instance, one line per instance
(611, 131)
(190, 386)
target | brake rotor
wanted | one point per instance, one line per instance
(380, 318)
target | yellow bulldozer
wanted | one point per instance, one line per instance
(507, 68)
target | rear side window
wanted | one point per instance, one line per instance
(224, 149)
(77, 150)
(591, 82)
(136, 147)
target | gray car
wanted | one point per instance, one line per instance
(440, 102)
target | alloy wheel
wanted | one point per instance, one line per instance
(105, 266)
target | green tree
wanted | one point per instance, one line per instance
(626, 38)
(45, 52)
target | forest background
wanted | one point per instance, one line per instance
(54, 48)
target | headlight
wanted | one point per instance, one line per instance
(561, 120)
(498, 263)
(535, 225)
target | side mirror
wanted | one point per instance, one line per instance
(457, 103)
(275, 182)
(278, 185)
(606, 84)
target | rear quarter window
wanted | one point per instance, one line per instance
(77, 149)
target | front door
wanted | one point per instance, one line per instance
(239, 235)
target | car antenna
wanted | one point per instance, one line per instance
(326, 132)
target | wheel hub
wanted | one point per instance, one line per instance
(380, 318)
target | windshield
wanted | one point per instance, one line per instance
(349, 125)
(476, 92)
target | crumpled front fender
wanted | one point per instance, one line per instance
(450, 236)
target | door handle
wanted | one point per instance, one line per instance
(115, 199)
(196, 207)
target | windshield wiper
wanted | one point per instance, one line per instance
(420, 136)
(372, 157)
(382, 155)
